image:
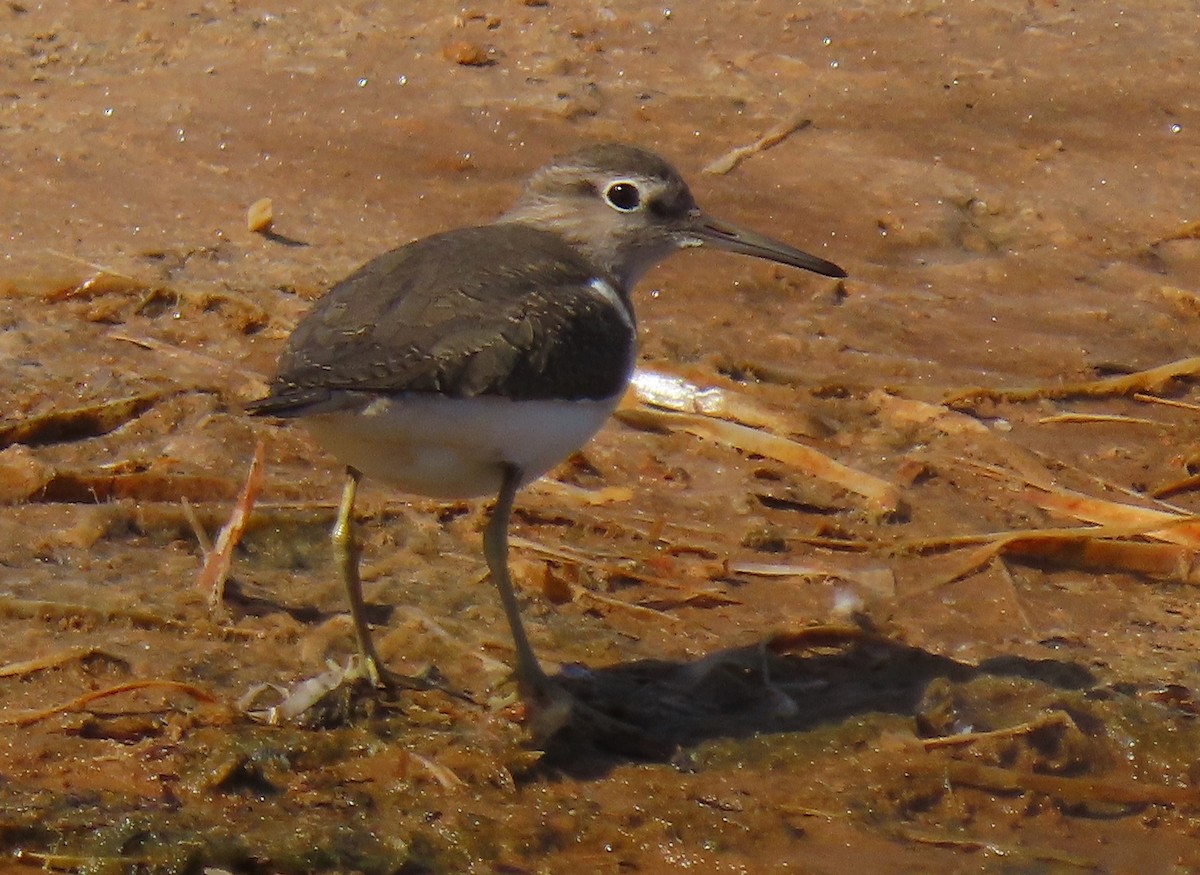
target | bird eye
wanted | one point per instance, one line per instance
(623, 196)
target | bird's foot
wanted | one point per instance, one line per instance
(555, 716)
(339, 695)
(387, 680)
(429, 680)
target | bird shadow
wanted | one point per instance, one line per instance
(283, 239)
(248, 600)
(650, 710)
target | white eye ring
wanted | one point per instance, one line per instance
(623, 195)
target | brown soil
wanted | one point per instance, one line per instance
(1012, 187)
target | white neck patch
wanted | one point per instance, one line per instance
(604, 289)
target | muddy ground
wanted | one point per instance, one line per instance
(827, 669)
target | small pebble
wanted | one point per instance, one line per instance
(260, 215)
(468, 54)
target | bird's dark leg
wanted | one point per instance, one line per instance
(556, 707)
(348, 552)
(532, 680)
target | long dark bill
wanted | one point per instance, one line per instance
(719, 234)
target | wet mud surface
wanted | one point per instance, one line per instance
(967, 646)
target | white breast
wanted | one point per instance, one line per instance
(455, 447)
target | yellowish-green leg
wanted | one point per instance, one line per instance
(348, 552)
(530, 677)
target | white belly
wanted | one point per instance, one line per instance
(457, 447)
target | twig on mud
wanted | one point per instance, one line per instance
(77, 423)
(576, 591)
(1007, 852)
(882, 497)
(1111, 418)
(110, 483)
(1147, 381)
(1096, 548)
(27, 718)
(876, 578)
(605, 495)
(1164, 561)
(43, 609)
(558, 589)
(773, 137)
(441, 774)
(1165, 402)
(80, 862)
(1054, 718)
(1068, 789)
(219, 559)
(53, 660)
(1184, 484)
(609, 601)
(189, 513)
(823, 635)
(101, 280)
(789, 808)
(15, 608)
(603, 563)
(1161, 525)
(1105, 545)
(209, 366)
(430, 625)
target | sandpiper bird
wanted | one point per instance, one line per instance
(471, 362)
